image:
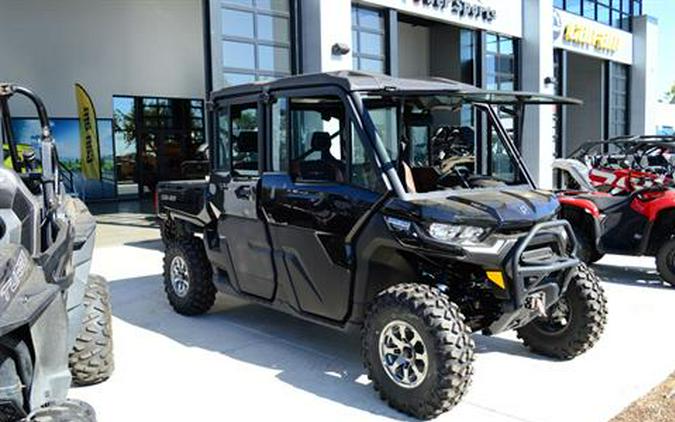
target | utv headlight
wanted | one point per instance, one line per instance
(456, 233)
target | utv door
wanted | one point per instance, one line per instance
(243, 235)
(315, 197)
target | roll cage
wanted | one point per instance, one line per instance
(48, 175)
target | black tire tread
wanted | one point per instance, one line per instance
(662, 262)
(586, 286)
(454, 346)
(91, 360)
(202, 294)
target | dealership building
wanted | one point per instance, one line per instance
(149, 65)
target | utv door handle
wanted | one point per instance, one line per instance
(244, 192)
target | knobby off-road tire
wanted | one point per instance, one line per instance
(91, 359)
(439, 325)
(584, 314)
(188, 277)
(167, 230)
(665, 262)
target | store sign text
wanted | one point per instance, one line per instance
(463, 9)
(586, 36)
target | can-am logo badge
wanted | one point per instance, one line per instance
(523, 209)
(463, 9)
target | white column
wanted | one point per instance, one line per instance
(324, 24)
(644, 77)
(537, 64)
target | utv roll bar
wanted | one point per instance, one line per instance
(49, 155)
(625, 143)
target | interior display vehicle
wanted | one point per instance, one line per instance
(55, 321)
(398, 208)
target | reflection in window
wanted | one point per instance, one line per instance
(157, 139)
(244, 140)
(256, 40)
(500, 62)
(618, 99)
(609, 12)
(364, 167)
(368, 40)
(222, 153)
(280, 135)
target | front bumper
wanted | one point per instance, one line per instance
(532, 275)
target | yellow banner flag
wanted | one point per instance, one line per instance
(89, 146)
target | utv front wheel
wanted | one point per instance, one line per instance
(574, 324)
(91, 359)
(188, 277)
(417, 350)
(665, 262)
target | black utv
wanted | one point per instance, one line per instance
(400, 207)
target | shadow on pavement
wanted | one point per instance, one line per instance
(630, 276)
(151, 244)
(316, 359)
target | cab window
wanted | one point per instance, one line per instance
(317, 139)
(221, 156)
(244, 139)
(314, 139)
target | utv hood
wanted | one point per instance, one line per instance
(494, 207)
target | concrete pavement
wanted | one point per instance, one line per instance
(244, 361)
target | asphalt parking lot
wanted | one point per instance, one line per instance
(244, 361)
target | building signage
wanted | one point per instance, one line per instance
(463, 9)
(504, 17)
(588, 37)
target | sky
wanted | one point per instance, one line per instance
(664, 11)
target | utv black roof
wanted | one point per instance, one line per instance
(354, 81)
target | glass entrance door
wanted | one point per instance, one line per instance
(157, 139)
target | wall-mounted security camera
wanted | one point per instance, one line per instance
(340, 49)
(550, 80)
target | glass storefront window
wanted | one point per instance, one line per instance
(368, 40)
(618, 99)
(500, 62)
(609, 12)
(256, 40)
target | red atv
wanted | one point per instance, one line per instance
(633, 212)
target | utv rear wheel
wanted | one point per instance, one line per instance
(91, 359)
(418, 350)
(188, 277)
(574, 324)
(665, 262)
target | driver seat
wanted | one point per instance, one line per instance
(327, 168)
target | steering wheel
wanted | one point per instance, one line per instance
(462, 173)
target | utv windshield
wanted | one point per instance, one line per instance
(439, 142)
